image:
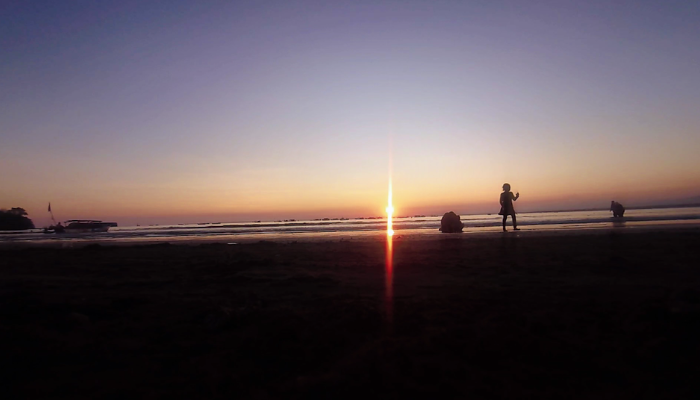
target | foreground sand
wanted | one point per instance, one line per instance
(610, 315)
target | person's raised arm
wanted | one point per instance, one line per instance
(516, 196)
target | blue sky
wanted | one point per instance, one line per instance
(174, 110)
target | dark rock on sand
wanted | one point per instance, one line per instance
(451, 223)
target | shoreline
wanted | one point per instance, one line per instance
(407, 234)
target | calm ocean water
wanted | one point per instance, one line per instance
(230, 232)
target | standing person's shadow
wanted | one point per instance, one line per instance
(508, 246)
(618, 223)
(616, 251)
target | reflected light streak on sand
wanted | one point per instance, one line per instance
(389, 300)
(389, 292)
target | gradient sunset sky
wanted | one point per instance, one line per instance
(192, 111)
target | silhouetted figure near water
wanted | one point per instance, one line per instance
(451, 223)
(617, 209)
(507, 199)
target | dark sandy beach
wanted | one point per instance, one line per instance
(608, 315)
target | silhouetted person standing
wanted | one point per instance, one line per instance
(507, 199)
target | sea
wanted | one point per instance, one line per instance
(342, 228)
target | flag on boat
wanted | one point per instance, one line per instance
(49, 206)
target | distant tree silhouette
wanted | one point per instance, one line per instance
(15, 219)
(18, 211)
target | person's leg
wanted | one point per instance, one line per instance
(505, 216)
(515, 222)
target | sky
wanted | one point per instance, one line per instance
(183, 111)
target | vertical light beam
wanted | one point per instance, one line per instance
(389, 299)
(389, 213)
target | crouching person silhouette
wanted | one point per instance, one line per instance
(617, 209)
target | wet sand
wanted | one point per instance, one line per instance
(597, 315)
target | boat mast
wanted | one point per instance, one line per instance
(51, 212)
